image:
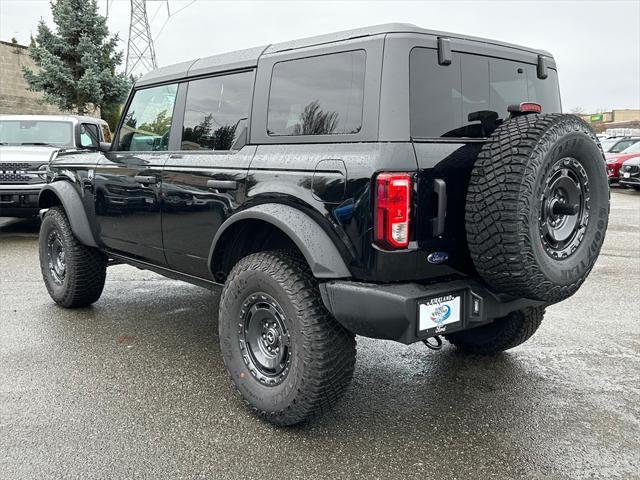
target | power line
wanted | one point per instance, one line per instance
(170, 15)
(141, 53)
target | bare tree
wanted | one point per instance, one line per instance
(314, 121)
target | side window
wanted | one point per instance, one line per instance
(620, 146)
(147, 122)
(435, 93)
(214, 110)
(317, 95)
(89, 136)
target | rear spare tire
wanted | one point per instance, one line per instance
(538, 206)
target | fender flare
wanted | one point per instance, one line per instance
(318, 249)
(74, 208)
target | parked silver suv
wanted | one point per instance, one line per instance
(28, 143)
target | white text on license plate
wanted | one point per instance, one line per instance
(439, 312)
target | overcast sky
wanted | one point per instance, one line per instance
(596, 44)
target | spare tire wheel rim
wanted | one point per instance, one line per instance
(264, 340)
(56, 257)
(564, 208)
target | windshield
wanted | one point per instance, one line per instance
(36, 132)
(635, 148)
(469, 97)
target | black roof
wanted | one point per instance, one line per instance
(249, 58)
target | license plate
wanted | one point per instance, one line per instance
(439, 314)
(626, 174)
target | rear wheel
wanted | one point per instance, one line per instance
(73, 273)
(502, 334)
(287, 356)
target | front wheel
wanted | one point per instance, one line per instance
(73, 273)
(502, 334)
(287, 356)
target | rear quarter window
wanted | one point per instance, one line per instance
(469, 97)
(320, 95)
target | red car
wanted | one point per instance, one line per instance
(615, 161)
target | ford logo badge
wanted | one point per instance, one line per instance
(438, 257)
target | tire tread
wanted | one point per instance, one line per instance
(329, 349)
(86, 266)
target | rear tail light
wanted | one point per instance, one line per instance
(393, 194)
(525, 107)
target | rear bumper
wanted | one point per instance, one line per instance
(19, 200)
(390, 311)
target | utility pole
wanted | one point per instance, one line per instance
(141, 53)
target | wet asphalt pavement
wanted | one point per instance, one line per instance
(134, 387)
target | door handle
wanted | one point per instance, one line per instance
(146, 179)
(222, 184)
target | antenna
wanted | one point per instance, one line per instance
(140, 50)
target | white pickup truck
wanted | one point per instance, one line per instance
(28, 143)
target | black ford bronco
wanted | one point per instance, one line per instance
(390, 182)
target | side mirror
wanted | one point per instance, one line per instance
(104, 147)
(241, 138)
(88, 136)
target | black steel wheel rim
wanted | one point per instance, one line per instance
(564, 208)
(264, 340)
(56, 257)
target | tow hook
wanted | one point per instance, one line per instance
(431, 345)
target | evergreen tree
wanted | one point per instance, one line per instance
(78, 60)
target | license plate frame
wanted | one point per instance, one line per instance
(435, 319)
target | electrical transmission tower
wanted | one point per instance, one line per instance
(140, 51)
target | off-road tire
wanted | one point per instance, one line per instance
(322, 352)
(86, 267)
(500, 335)
(505, 199)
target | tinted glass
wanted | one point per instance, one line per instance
(34, 132)
(469, 98)
(507, 84)
(147, 123)
(544, 91)
(214, 109)
(317, 95)
(436, 104)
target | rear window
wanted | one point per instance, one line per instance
(317, 95)
(469, 97)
